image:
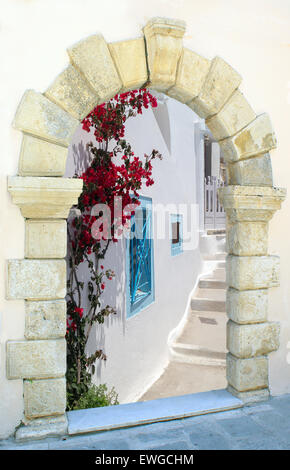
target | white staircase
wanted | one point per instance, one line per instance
(198, 352)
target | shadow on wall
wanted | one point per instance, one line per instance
(162, 117)
(81, 157)
(115, 296)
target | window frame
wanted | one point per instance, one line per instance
(176, 248)
(134, 309)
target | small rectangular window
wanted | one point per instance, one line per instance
(176, 234)
(140, 279)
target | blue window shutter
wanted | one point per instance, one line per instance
(140, 279)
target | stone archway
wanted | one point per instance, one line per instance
(48, 121)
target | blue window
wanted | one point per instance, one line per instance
(176, 224)
(140, 281)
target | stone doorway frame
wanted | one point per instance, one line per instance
(98, 71)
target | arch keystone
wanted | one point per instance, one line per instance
(164, 46)
(92, 58)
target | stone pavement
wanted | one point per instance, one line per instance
(261, 426)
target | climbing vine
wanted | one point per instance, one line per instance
(114, 173)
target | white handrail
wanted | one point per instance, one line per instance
(214, 213)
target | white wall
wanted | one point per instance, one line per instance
(137, 347)
(253, 36)
(215, 159)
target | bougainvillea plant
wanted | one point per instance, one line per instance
(114, 173)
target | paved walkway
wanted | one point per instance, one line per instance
(261, 426)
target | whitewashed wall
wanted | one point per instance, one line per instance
(253, 36)
(137, 347)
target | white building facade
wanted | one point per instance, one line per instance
(34, 38)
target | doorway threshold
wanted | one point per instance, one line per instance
(153, 411)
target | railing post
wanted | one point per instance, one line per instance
(214, 201)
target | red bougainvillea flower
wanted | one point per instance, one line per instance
(108, 119)
(105, 180)
(114, 173)
(80, 311)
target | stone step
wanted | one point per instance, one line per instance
(208, 305)
(221, 256)
(217, 274)
(182, 379)
(206, 329)
(211, 244)
(216, 232)
(195, 354)
(210, 294)
(207, 299)
(215, 264)
(212, 284)
(221, 264)
(198, 393)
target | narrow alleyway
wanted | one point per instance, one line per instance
(198, 354)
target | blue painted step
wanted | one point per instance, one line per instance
(163, 409)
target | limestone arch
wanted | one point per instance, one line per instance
(98, 71)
